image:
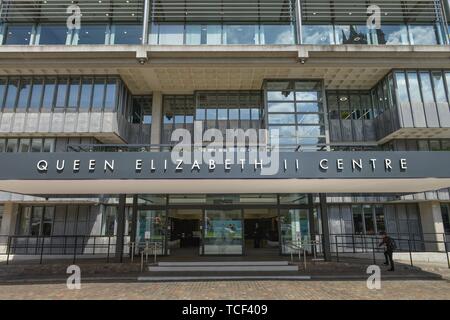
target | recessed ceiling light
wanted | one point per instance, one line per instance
(343, 98)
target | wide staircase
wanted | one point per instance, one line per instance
(220, 270)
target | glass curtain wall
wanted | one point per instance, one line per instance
(402, 23)
(294, 227)
(295, 113)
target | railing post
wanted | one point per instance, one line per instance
(353, 243)
(42, 250)
(93, 249)
(446, 252)
(410, 254)
(337, 248)
(75, 250)
(8, 249)
(373, 252)
(109, 244)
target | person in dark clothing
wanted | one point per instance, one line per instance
(389, 245)
(257, 235)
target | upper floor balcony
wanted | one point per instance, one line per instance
(214, 22)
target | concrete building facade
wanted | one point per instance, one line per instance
(111, 81)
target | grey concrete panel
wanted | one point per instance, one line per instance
(18, 124)
(44, 122)
(83, 122)
(32, 122)
(70, 121)
(57, 124)
(6, 122)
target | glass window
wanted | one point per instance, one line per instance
(91, 34)
(241, 34)
(47, 224)
(127, 34)
(223, 232)
(11, 94)
(392, 34)
(445, 210)
(286, 95)
(351, 34)
(294, 227)
(427, 89)
(53, 34)
(195, 34)
(17, 34)
(61, 93)
(49, 93)
(309, 119)
(36, 94)
(24, 93)
(86, 92)
(317, 34)
(99, 93)
(281, 107)
(307, 96)
(423, 34)
(49, 145)
(2, 145)
(2, 91)
(25, 219)
(74, 91)
(368, 220)
(24, 145)
(309, 107)
(358, 226)
(277, 34)
(379, 215)
(11, 145)
(109, 221)
(281, 119)
(171, 34)
(36, 220)
(111, 93)
(439, 87)
(36, 145)
(401, 87)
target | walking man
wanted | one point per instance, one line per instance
(389, 247)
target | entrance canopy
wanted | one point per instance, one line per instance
(162, 172)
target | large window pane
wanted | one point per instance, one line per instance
(351, 34)
(241, 34)
(90, 34)
(318, 34)
(24, 93)
(36, 94)
(111, 93)
(36, 220)
(49, 93)
(223, 232)
(277, 34)
(2, 91)
(423, 34)
(171, 34)
(127, 34)
(53, 34)
(294, 227)
(11, 95)
(12, 145)
(86, 93)
(61, 93)
(99, 93)
(393, 35)
(281, 107)
(74, 93)
(18, 34)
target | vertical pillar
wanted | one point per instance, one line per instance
(145, 22)
(133, 230)
(298, 22)
(312, 224)
(325, 227)
(157, 114)
(432, 225)
(120, 227)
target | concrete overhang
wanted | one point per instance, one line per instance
(176, 68)
(223, 186)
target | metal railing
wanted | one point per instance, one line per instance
(344, 244)
(64, 246)
(206, 147)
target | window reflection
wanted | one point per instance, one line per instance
(171, 34)
(127, 34)
(90, 34)
(241, 34)
(53, 34)
(277, 34)
(17, 34)
(423, 34)
(318, 34)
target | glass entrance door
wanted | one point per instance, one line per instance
(151, 229)
(294, 227)
(223, 232)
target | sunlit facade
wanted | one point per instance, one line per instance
(313, 73)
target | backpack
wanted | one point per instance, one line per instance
(391, 245)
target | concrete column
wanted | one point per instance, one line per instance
(9, 220)
(325, 227)
(432, 225)
(157, 114)
(120, 227)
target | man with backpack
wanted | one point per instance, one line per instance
(389, 245)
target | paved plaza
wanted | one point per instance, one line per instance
(305, 290)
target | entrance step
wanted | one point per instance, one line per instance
(224, 266)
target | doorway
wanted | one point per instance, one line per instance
(261, 232)
(185, 232)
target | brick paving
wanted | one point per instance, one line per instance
(284, 290)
